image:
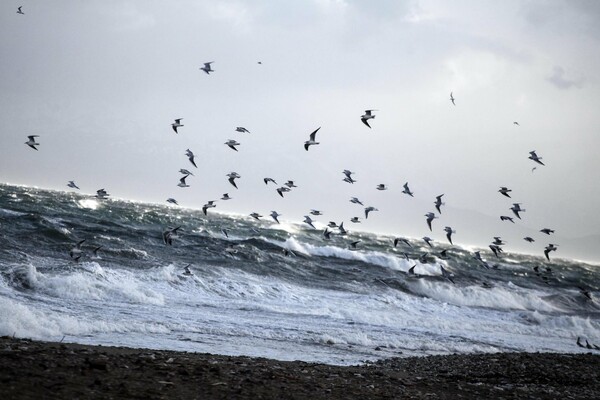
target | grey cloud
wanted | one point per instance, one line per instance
(559, 80)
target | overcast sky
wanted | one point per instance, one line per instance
(101, 82)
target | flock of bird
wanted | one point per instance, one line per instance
(170, 233)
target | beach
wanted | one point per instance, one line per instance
(50, 370)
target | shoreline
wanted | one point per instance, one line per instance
(33, 369)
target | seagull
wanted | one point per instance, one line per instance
(225, 196)
(477, 257)
(210, 204)
(411, 270)
(309, 221)
(535, 157)
(101, 194)
(232, 177)
(256, 216)
(176, 124)
(274, 215)
(311, 141)
(403, 240)
(353, 244)
(516, 208)
(186, 270)
(348, 173)
(190, 155)
(430, 217)
(528, 239)
(342, 230)
(327, 234)
(95, 251)
(443, 254)
(182, 182)
(579, 342)
(290, 184)
(332, 224)
(585, 292)
(547, 231)
(548, 249)
(72, 184)
(381, 186)
(169, 234)
(446, 274)
(449, 233)
(242, 129)
(19, 11)
(356, 201)
(225, 233)
(267, 180)
(368, 210)
(504, 190)
(315, 212)
(505, 218)
(438, 203)
(407, 190)
(496, 249)
(207, 68)
(232, 143)
(428, 240)
(185, 172)
(172, 201)
(76, 252)
(498, 241)
(349, 180)
(31, 142)
(282, 190)
(452, 98)
(366, 117)
(516, 123)
(355, 220)
(533, 169)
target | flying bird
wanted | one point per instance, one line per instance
(315, 212)
(176, 124)
(367, 116)
(449, 233)
(430, 217)
(407, 190)
(76, 252)
(327, 234)
(428, 240)
(403, 240)
(547, 231)
(190, 156)
(172, 201)
(498, 241)
(169, 234)
(535, 157)
(438, 203)
(446, 274)
(225, 196)
(290, 184)
(368, 210)
(356, 201)
(529, 239)
(210, 204)
(256, 216)
(242, 129)
(311, 141)
(516, 123)
(274, 215)
(516, 209)
(505, 218)
(504, 191)
(101, 194)
(31, 142)
(19, 11)
(452, 98)
(548, 249)
(267, 180)
(72, 185)
(332, 224)
(182, 182)
(282, 190)
(342, 230)
(353, 244)
(381, 186)
(232, 177)
(95, 251)
(207, 67)
(355, 220)
(232, 143)
(309, 221)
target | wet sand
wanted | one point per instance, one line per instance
(44, 370)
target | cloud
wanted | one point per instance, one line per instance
(559, 80)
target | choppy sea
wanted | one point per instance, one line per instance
(280, 291)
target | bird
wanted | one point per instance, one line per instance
(19, 11)
(367, 116)
(407, 190)
(232, 143)
(311, 141)
(356, 201)
(355, 220)
(187, 271)
(182, 182)
(76, 252)
(210, 204)
(446, 274)
(585, 292)
(529, 239)
(256, 216)
(505, 218)
(332, 224)
(290, 184)
(588, 345)
(443, 254)
(315, 212)
(533, 169)
(72, 184)
(498, 241)
(411, 270)
(449, 233)
(242, 129)
(428, 240)
(348, 173)
(31, 142)
(172, 201)
(282, 190)
(430, 217)
(438, 203)
(452, 98)
(579, 342)
(185, 172)
(516, 209)
(381, 186)
(504, 190)
(548, 249)
(101, 194)
(496, 249)
(327, 234)
(477, 257)
(547, 231)
(403, 240)
(190, 155)
(274, 215)
(267, 180)
(309, 221)
(225, 196)
(353, 244)
(176, 124)
(169, 234)
(342, 230)
(225, 233)
(368, 210)
(516, 123)
(349, 180)
(232, 177)
(535, 157)
(95, 251)
(207, 67)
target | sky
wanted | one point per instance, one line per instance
(101, 82)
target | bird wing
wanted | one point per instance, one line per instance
(314, 134)
(232, 181)
(365, 122)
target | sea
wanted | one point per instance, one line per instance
(281, 291)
